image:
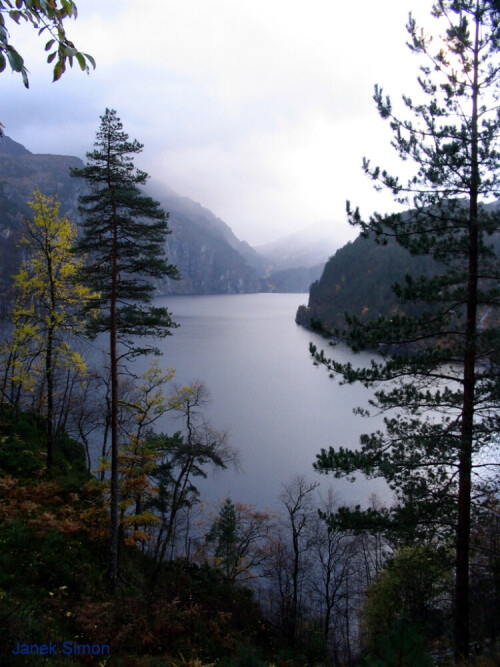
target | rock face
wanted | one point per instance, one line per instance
(21, 172)
(209, 256)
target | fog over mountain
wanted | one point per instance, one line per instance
(210, 258)
(306, 248)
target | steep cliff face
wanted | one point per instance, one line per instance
(207, 264)
(209, 256)
(187, 209)
(21, 172)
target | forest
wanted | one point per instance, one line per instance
(117, 557)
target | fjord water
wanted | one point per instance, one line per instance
(278, 408)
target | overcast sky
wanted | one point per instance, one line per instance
(260, 110)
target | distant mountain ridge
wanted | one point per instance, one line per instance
(210, 258)
(201, 245)
(309, 247)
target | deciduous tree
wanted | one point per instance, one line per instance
(184, 457)
(45, 16)
(49, 298)
(297, 500)
(240, 536)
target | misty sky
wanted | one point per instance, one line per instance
(261, 111)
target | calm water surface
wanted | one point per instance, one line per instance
(278, 408)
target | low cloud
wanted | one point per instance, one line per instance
(261, 111)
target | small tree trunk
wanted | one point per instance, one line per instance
(49, 376)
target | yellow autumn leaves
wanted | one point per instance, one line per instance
(49, 302)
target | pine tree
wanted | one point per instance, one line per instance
(442, 374)
(224, 533)
(123, 235)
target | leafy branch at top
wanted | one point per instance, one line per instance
(45, 16)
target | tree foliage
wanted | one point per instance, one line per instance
(239, 537)
(45, 16)
(184, 458)
(47, 308)
(124, 232)
(123, 235)
(440, 365)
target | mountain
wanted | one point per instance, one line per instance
(21, 172)
(297, 280)
(358, 280)
(306, 248)
(209, 256)
(188, 209)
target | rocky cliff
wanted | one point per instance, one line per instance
(210, 258)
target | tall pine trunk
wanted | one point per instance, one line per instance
(462, 620)
(49, 362)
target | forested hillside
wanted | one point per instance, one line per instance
(359, 280)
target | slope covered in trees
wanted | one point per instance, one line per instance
(358, 280)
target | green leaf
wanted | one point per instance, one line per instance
(90, 59)
(58, 70)
(69, 8)
(15, 60)
(81, 61)
(24, 74)
(49, 44)
(51, 57)
(3, 62)
(44, 7)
